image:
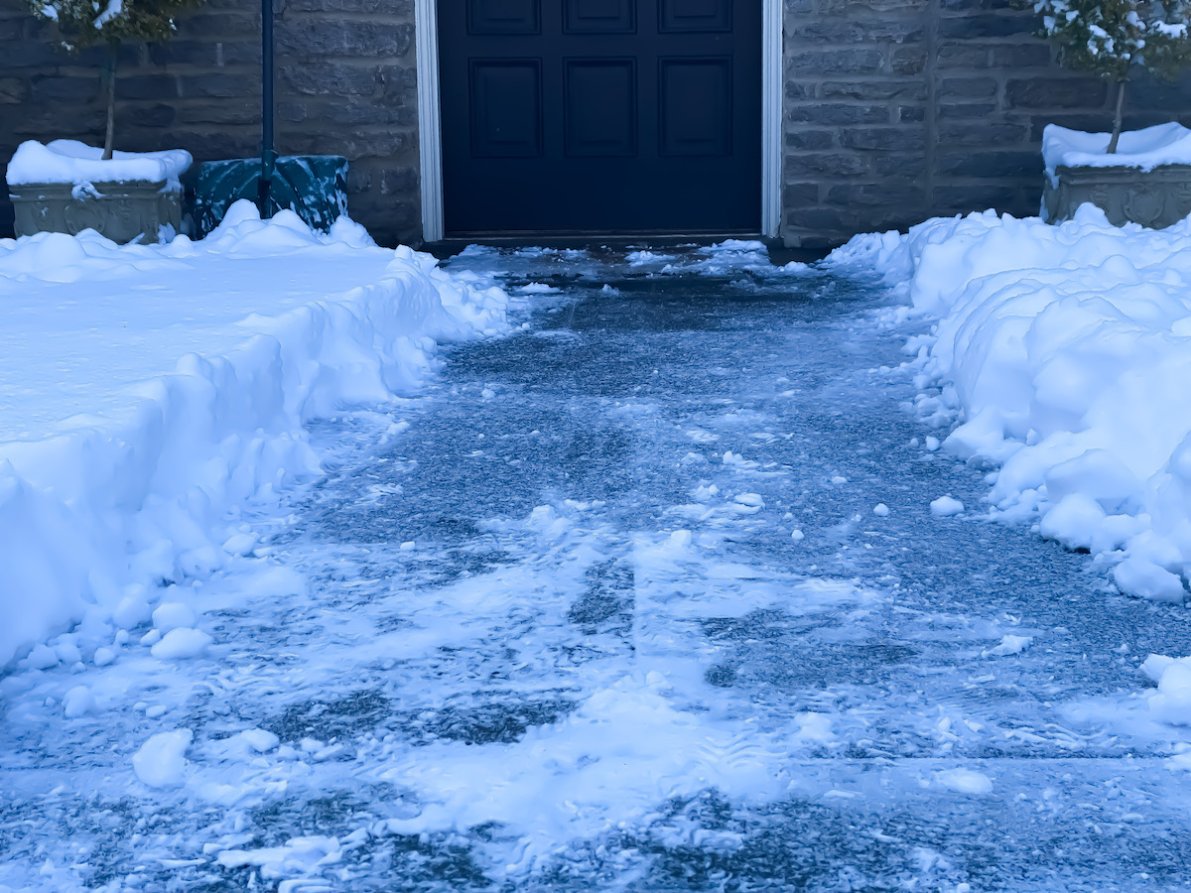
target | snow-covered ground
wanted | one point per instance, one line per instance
(1064, 355)
(146, 392)
(665, 591)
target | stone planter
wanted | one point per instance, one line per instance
(120, 211)
(1157, 198)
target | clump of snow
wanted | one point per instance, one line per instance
(146, 390)
(69, 161)
(881, 510)
(79, 701)
(1063, 354)
(1009, 645)
(1143, 149)
(299, 856)
(965, 781)
(171, 615)
(181, 644)
(1171, 703)
(946, 506)
(260, 740)
(161, 761)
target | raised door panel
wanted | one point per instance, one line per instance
(599, 16)
(601, 107)
(506, 108)
(696, 107)
(485, 17)
(695, 16)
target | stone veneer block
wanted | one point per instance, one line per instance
(1157, 198)
(120, 211)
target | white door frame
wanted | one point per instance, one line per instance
(430, 117)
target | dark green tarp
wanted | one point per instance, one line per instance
(313, 186)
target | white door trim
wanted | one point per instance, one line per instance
(430, 118)
(771, 118)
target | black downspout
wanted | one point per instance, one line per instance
(268, 153)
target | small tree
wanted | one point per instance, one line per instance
(84, 23)
(1115, 38)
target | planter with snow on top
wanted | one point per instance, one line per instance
(65, 187)
(1147, 181)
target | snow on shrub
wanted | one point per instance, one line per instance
(1063, 352)
(84, 23)
(1116, 38)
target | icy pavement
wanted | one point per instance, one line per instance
(660, 593)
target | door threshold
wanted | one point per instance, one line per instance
(453, 244)
(779, 254)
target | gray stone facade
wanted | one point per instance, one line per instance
(899, 110)
(895, 110)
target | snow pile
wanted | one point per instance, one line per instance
(1064, 352)
(275, 325)
(1145, 149)
(69, 161)
(1171, 703)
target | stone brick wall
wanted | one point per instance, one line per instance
(898, 110)
(346, 85)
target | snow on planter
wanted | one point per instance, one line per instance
(69, 161)
(1142, 149)
(1061, 354)
(146, 390)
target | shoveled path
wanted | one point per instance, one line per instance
(647, 596)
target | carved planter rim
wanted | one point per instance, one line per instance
(1157, 197)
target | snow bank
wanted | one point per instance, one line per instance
(98, 510)
(1171, 703)
(1145, 149)
(1064, 353)
(69, 161)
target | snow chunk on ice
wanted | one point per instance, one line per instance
(964, 781)
(161, 761)
(301, 856)
(78, 702)
(945, 507)
(537, 288)
(42, 657)
(180, 644)
(881, 510)
(1172, 702)
(172, 615)
(1009, 645)
(260, 740)
(240, 544)
(1137, 576)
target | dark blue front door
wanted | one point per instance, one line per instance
(601, 116)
